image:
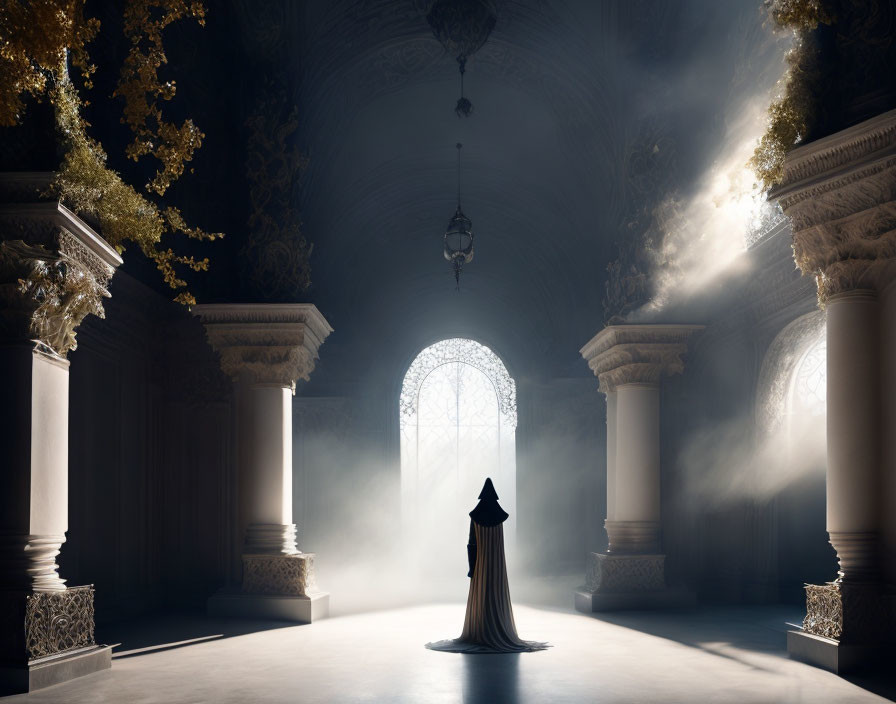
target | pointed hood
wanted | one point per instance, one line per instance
(488, 492)
(488, 512)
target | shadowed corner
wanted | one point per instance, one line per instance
(491, 679)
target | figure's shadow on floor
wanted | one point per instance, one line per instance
(177, 629)
(491, 679)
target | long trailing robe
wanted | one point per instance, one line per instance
(489, 626)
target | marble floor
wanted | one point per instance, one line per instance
(707, 655)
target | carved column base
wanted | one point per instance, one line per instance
(616, 582)
(847, 627)
(633, 537)
(28, 562)
(279, 587)
(851, 613)
(50, 638)
(270, 539)
(625, 573)
(284, 575)
(857, 553)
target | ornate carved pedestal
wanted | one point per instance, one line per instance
(625, 573)
(629, 361)
(840, 195)
(283, 575)
(54, 271)
(48, 639)
(264, 348)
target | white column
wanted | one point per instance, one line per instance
(853, 432)
(35, 477)
(611, 455)
(265, 348)
(839, 193)
(54, 271)
(268, 504)
(636, 527)
(629, 361)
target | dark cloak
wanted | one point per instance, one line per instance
(488, 625)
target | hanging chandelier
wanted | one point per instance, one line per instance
(459, 235)
(462, 27)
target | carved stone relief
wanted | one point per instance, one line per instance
(285, 575)
(625, 573)
(265, 343)
(59, 621)
(840, 195)
(50, 279)
(637, 354)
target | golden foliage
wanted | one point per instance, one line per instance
(35, 38)
(789, 114)
(798, 14)
(37, 42)
(90, 187)
(142, 89)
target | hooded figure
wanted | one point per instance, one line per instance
(488, 625)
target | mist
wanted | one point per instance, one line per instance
(347, 497)
(727, 462)
(705, 229)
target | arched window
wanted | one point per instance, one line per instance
(458, 426)
(806, 407)
(793, 453)
(809, 392)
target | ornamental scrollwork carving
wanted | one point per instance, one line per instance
(463, 351)
(47, 294)
(56, 622)
(625, 573)
(648, 171)
(848, 612)
(274, 364)
(265, 343)
(840, 196)
(637, 354)
(276, 256)
(283, 575)
(824, 610)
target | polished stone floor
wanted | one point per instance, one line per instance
(708, 655)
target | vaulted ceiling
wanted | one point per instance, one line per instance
(585, 113)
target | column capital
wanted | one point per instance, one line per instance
(637, 354)
(840, 195)
(54, 272)
(267, 343)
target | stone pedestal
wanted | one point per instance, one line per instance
(840, 195)
(629, 361)
(284, 575)
(52, 641)
(265, 348)
(54, 271)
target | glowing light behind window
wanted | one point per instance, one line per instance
(458, 426)
(810, 381)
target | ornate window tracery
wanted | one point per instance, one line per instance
(457, 419)
(455, 351)
(810, 380)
